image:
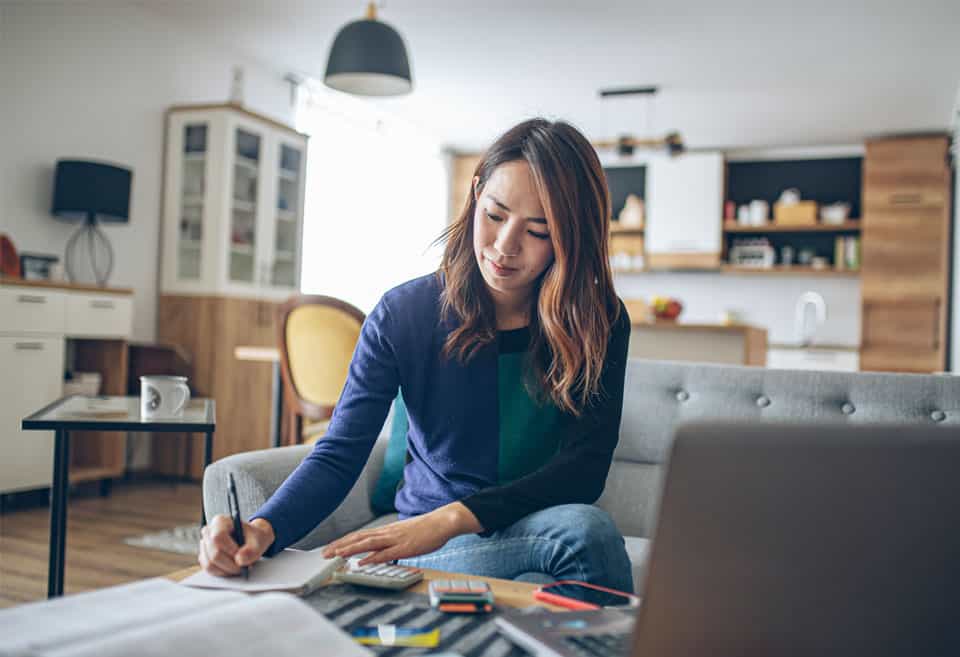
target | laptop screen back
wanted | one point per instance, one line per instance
(799, 540)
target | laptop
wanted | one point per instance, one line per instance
(792, 541)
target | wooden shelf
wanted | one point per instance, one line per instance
(795, 270)
(246, 163)
(80, 473)
(846, 227)
(626, 231)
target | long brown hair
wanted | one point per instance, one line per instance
(574, 306)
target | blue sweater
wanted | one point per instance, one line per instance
(452, 444)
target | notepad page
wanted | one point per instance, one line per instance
(291, 570)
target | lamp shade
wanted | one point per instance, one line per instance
(368, 58)
(84, 190)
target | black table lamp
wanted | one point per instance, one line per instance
(90, 192)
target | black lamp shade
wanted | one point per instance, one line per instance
(84, 190)
(368, 58)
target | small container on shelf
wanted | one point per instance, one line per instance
(835, 213)
(801, 213)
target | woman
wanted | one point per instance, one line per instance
(511, 359)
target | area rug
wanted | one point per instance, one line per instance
(182, 540)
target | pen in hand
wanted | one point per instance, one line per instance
(237, 523)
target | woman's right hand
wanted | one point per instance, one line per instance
(218, 553)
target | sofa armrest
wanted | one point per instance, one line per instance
(258, 474)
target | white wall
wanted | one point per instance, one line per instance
(765, 301)
(93, 80)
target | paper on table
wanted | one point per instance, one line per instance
(38, 626)
(296, 571)
(272, 624)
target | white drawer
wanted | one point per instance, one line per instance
(31, 310)
(99, 315)
(813, 359)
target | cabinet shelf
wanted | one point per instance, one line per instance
(286, 215)
(244, 206)
(242, 249)
(846, 227)
(195, 157)
(626, 231)
(193, 200)
(284, 256)
(190, 245)
(247, 163)
(290, 176)
(794, 270)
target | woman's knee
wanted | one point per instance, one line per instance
(586, 524)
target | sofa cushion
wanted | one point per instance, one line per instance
(638, 549)
(385, 491)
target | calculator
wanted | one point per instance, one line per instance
(461, 596)
(381, 576)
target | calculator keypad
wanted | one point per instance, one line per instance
(381, 576)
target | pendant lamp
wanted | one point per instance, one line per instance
(368, 58)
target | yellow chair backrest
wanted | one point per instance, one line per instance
(320, 343)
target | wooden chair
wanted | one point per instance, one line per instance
(316, 337)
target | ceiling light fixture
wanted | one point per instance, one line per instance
(368, 58)
(626, 144)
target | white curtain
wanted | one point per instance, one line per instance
(376, 197)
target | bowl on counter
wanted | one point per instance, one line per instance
(666, 308)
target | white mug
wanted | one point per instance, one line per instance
(163, 397)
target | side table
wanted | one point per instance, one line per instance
(78, 413)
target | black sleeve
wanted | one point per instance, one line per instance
(577, 473)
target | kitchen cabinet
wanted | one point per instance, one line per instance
(734, 344)
(906, 250)
(684, 201)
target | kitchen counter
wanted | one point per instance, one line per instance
(815, 347)
(736, 344)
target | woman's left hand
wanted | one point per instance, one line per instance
(406, 538)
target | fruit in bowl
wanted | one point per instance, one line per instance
(666, 307)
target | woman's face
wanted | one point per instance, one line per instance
(511, 240)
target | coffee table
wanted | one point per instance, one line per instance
(507, 593)
(79, 413)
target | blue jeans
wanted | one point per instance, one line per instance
(572, 541)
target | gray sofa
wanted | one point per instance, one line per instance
(659, 396)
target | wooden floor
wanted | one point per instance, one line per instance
(96, 527)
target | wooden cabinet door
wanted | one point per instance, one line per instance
(905, 252)
(902, 335)
(906, 236)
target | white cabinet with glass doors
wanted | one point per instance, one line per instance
(233, 203)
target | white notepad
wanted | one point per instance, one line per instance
(293, 571)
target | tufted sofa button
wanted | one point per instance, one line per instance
(847, 408)
(763, 401)
(938, 416)
(682, 395)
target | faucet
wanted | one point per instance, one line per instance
(820, 314)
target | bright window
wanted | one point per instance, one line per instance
(376, 198)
